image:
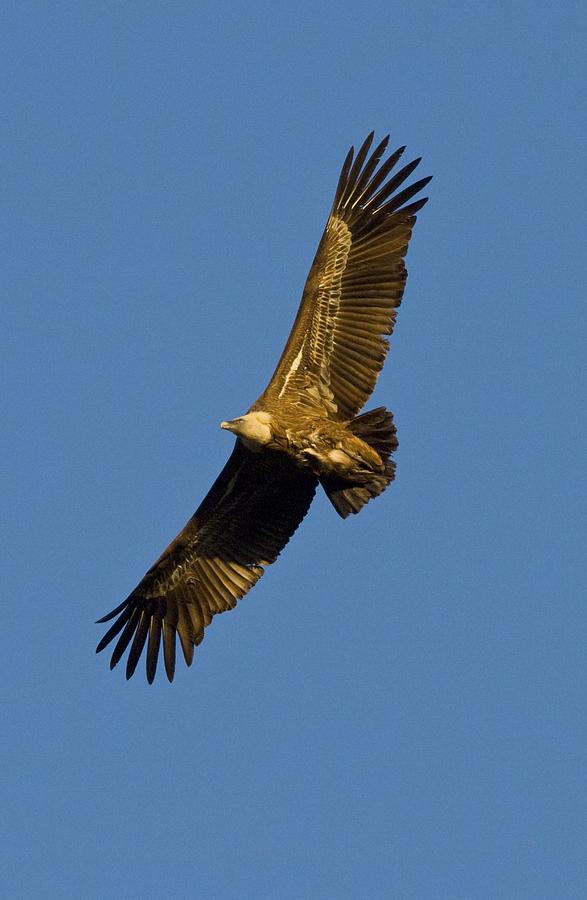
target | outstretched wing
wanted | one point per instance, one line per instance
(336, 349)
(248, 516)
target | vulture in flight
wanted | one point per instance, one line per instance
(306, 428)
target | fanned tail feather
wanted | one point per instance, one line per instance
(377, 429)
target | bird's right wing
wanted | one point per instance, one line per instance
(248, 516)
(336, 348)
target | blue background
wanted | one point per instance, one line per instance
(397, 709)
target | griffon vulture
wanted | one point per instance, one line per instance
(305, 429)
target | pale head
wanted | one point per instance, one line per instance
(254, 429)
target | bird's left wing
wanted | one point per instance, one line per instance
(336, 348)
(248, 516)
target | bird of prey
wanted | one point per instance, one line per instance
(306, 428)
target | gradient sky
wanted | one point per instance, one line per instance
(397, 710)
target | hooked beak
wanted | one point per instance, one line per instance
(228, 426)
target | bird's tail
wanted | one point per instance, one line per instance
(376, 428)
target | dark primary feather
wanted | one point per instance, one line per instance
(248, 516)
(336, 348)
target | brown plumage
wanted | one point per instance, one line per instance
(304, 428)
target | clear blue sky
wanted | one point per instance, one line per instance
(397, 710)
